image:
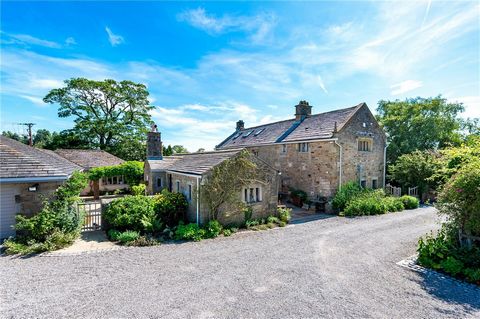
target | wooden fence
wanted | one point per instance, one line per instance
(393, 191)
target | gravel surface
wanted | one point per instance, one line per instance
(334, 268)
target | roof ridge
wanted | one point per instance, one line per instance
(209, 152)
(313, 115)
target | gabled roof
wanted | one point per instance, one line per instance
(20, 161)
(89, 158)
(317, 126)
(192, 163)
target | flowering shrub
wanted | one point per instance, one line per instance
(460, 199)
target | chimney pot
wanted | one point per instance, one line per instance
(302, 110)
(240, 125)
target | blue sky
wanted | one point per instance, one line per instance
(208, 64)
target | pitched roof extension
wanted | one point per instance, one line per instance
(89, 158)
(20, 161)
(192, 163)
(317, 126)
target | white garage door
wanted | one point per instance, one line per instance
(8, 209)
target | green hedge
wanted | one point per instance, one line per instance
(132, 213)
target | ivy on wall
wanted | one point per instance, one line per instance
(131, 171)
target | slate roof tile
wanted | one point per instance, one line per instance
(192, 163)
(89, 158)
(18, 160)
(317, 126)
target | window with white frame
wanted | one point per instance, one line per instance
(252, 194)
(364, 145)
(303, 147)
(113, 180)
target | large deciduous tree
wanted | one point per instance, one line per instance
(419, 124)
(107, 111)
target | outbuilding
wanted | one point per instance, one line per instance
(27, 176)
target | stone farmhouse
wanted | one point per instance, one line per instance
(317, 153)
(187, 173)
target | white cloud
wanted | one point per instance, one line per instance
(35, 100)
(471, 104)
(259, 26)
(114, 39)
(405, 86)
(26, 39)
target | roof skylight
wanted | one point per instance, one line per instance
(247, 134)
(259, 131)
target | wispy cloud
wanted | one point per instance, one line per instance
(405, 86)
(114, 39)
(35, 100)
(27, 39)
(258, 26)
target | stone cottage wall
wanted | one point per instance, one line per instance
(315, 171)
(361, 165)
(32, 202)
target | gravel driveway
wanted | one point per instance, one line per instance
(333, 267)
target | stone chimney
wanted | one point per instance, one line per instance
(302, 110)
(240, 125)
(154, 144)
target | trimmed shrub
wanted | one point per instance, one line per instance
(410, 202)
(128, 236)
(213, 229)
(365, 206)
(170, 207)
(132, 213)
(138, 189)
(189, 232)
(285, 214)
(393, 204)
(273, 219)
(113, 234)
(345, 194)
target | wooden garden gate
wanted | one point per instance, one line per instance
(92, 215)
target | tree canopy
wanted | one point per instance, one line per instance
(419, 124)
(109, 111)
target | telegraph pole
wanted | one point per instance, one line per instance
(29, 125)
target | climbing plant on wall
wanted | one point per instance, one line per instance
(226, 180)
(131, 171)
